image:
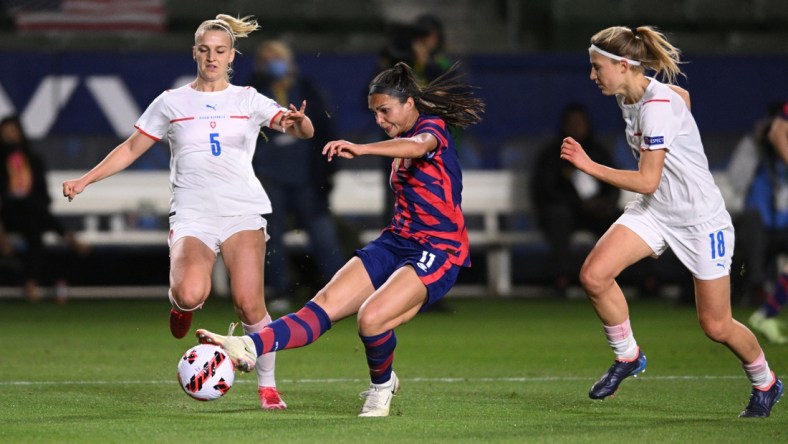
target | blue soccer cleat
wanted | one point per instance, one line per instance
(762, 401)
(620, 370)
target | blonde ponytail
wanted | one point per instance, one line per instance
(235, 27)
(644, 44)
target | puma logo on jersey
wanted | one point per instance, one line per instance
(213, 107)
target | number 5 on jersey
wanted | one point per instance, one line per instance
(216, 147)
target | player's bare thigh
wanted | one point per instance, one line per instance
(616, 250)
(191, 262)
(243, 254)
(346, 291)
(712, 299)
(396, 302)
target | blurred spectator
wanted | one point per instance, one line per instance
(568, 200)
(428, 45)
(764, 229)
(295, 175)
(24, 207)
(421, 44)
(753, 173)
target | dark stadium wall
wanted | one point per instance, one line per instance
(78, 96)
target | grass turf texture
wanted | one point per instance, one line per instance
(491, 371)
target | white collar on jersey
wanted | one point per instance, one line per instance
(613, 56)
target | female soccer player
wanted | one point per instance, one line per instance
(416, 259)
(217, 202)
(679, 207)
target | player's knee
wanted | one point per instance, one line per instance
(593, 279)
(250, 310)
(717, 331)
(189, 297)
(371, 322)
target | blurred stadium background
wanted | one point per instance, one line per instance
(79, 72)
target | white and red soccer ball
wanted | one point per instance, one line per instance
(205, 372)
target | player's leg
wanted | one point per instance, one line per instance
(396, 302)
(712, 298)
(340, 298)
(616, 250)
(191, 262)
(243, 254)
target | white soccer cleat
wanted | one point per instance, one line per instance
(240, 349)
(378, 398)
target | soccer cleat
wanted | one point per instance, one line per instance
(762, 401)
(768, 327)
(270, 399)
(378, 398)
(240, 349)
(180, 322)
(620, 370)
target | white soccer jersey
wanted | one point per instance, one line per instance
(687, 194)
(212, 139)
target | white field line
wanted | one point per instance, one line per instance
(341, 380)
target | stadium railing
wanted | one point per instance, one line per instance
(110, 209)
(110, 212)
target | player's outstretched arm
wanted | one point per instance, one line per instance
(644, 180)
(296, 123)
(406, 148)
(117, 160)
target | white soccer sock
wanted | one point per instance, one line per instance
(622, 341)
(265, 363)
(759, 373)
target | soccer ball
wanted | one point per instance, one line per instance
(205, 372)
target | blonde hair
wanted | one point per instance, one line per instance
(644, 44)
(235, 27)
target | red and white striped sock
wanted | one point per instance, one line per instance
(622, 341)
(759, 373)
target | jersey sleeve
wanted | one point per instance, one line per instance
(436, 128)
(658, 124)
(263, 110)
(154, 122)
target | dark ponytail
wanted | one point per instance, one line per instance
(446, 97)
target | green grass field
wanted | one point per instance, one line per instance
(491, 371)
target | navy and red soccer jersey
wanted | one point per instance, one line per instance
(428, 195)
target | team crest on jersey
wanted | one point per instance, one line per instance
(213, 124)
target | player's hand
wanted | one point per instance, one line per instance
(341, 148)
(293, 116)
(71, 188)
(572, 151)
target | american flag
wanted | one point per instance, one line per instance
(90, 15)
